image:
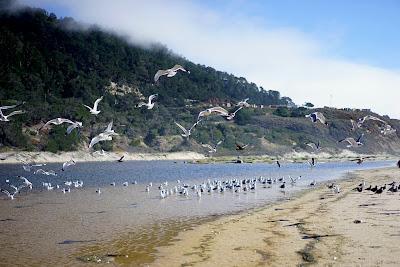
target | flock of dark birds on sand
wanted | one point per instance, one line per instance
(220, 186)
(392, 187)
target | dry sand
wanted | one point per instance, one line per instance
(315, 228)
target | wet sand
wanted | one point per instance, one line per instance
(315, 228)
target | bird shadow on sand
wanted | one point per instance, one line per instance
(68, 242)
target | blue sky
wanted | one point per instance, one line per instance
(339, 53)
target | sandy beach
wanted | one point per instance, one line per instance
(318, 227)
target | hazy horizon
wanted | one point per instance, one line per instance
(309, 57)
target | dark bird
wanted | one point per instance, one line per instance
(241, 147)
(283, 185)
(373, 189)
(380, 190)
(121, 159)
(279, 164)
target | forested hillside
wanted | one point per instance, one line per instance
(55, 66)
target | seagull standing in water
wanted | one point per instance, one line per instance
(11, 196)
(149, 104)
(317, 116)
(351, 142)
(169, 72)
(94, 110)
(187, 133)
(26, 182)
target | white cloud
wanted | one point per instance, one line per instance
(280, 58)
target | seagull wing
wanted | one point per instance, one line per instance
(177, 67)
(94, 141)
(96, 103)
(320, 117)
(207, 146)
(152, 97)
(16, 112)
(109, 127)
(182, 128)
(220, 142)
(159, 74)
(220, 110)
(71, 128)
(312, 145)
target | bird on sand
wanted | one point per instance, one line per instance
(121, 159)
(169, 72)
(11, 196)
(94, 110)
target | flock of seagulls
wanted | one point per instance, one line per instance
(385, 129)
(109, 133)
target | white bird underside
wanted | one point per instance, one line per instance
(169, 72)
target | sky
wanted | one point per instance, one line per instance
(331, 53)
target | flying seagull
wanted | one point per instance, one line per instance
(109, 129)
(315, 147)
(6, 117)
(232, 115)
(212, 149)
(351, 142)
(317, 116)
(149, 104)
(243, 103)
(367, 118)
(94, 110)
(59, 121)
(101, 137)
(41, 171)
(67, 164)
(211, 111)
(169, 72)
(354, 125)
(187, 133)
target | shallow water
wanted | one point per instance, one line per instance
(52, 228)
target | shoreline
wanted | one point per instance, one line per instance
(14, 157)
(314, 227)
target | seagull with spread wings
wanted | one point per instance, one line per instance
(94, 110)
(212, 149)
(352, 142)
(149, 104)
(317, 116)
(169, 72)
(187, 133)
(213, 111)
